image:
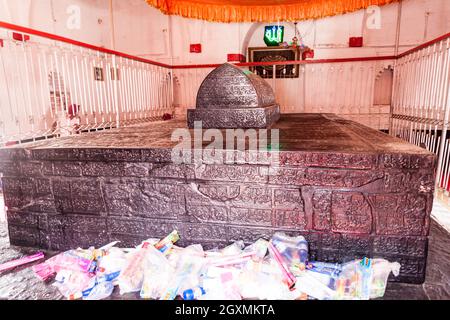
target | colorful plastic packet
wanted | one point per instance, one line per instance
(70, 261)
(232, 260)
(168, 242)
(333, 270)
(19, 262)
(99, 280)
(288, 276)
(43, 271)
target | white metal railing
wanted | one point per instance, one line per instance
(52, 86)
(421, 102)
(346, 88)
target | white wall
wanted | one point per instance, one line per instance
(329, 37)
(144, 31)
(139, 29)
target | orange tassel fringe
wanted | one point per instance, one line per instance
(262, 10)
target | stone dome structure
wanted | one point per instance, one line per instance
(230, 97)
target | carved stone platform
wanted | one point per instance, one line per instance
(350, 190)
(232, 98)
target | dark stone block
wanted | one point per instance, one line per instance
(67, 169)
(249, 234)
(232, 173)
(250, 217)
(400, 214)
(166, 170)
(10, 169)
(19, 186)
(31, 168)
(321, 208)
(199, 233)
(400, 246)
(23, 236)
(115, 169)
(209, 214)
(350, 213)
(292, 219)
(346, 188)
(24, 219)
(335, 160)
(142, 228)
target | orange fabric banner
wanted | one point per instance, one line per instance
(261, 10)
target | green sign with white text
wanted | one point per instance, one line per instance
(273, 35)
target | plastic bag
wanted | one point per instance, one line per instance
(157, 275)
(71, 284)
(381, 271)
(113, 262)
(260, 248)
(100, 291)
(132, 276)
(263, 286)
(294, 250)
(187, 272)
(365, 279)
(220, 284)
(69, 260)
(234, 249)
(315, 285)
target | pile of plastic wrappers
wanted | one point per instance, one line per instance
(278, 269)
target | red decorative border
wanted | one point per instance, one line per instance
(255, 64)
(426, 44)
(17, 28)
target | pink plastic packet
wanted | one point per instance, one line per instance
(68, 261)
(232, 260)
(43, 271)
(287, 274)
(19, 262)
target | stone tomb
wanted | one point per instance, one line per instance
(352, 191)
(232, 98)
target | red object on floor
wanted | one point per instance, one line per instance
(196, 48)
(355, 42)
(20, 37)
(11, 143)
(167, 117)
(1, 43)
(235, 57)
(73, 110)
(308, 54)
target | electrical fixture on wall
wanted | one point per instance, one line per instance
(356, 42)
(235, 57)
(195, 48)
(195, 35)
(98, 74)
(20, 37)
(308, 54)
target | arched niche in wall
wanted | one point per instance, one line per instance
(382, 93)
(383, 86)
